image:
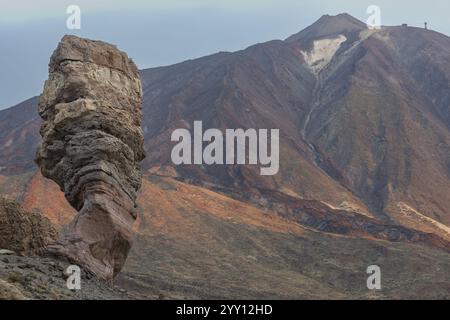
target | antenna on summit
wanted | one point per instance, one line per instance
(426, 25)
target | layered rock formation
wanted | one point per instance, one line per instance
(92, 145)
(21, 231)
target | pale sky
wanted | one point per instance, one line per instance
(163, 32)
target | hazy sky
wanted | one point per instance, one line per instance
(162, 32)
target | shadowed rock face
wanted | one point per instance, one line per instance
(92, 144)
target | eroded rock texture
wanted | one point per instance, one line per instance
(21, 231)
(92, 146)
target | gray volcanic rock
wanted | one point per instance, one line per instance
(92, 145)
(21, 231)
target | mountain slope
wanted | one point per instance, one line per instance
(194, 243)
(19, 127)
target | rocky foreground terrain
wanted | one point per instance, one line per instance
(364, 170)
(92, 143)
(24, 274)
(242, 252)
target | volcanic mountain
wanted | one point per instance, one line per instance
(364, 174)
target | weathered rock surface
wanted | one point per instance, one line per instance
(92, 145)
(23, 232)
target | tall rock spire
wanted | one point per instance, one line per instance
(92, 145)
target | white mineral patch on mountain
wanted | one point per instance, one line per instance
(322, 52)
